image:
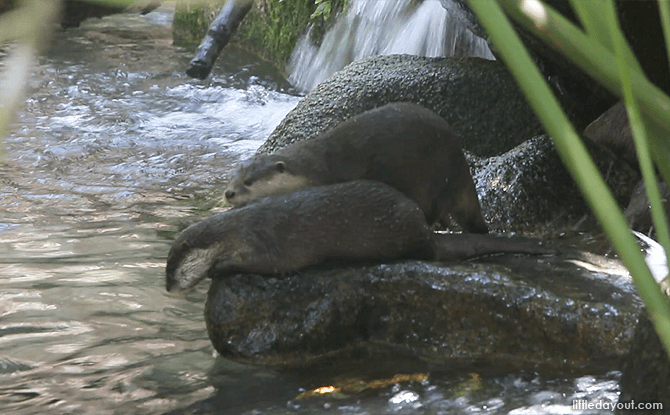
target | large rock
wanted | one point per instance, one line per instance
(646, 370)
(540, 310)
(76, 11)
(612, 130)
(638, 212)
(528, 189)
(479, 98)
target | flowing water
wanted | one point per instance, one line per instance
(115, 151)
(424, 28)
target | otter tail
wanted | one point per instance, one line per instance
(462, 246)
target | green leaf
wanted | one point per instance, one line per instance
(596, 59)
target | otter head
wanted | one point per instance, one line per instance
(186, 267)
(264, 175)
(195, 251)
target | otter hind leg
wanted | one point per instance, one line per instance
(466, 209)
(471, 220)
(462, 207)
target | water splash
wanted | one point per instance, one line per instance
(373, 27)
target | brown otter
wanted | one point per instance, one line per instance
(356, 220)
(403, 145)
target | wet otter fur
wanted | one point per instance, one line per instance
(403, 145)
(359, 220)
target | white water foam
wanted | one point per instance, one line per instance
(384, 27)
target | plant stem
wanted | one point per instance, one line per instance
(574, 155)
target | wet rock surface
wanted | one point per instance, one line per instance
(566, 311)
(528, 189)
(479, 98)
(646, 369)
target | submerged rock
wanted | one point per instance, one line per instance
(537, 310)
(76, 11)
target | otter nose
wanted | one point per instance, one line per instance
(229, 194)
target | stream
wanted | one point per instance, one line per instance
(114, 152)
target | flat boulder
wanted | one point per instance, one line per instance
(566, 311)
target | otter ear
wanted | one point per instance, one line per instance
(184, 247)
(280, 166)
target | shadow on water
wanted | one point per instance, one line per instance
(390, 382)
(114, 152)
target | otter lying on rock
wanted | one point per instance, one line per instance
(403, 145)
(356, 221)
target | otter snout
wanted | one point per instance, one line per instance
(229, 194)
(187, 266)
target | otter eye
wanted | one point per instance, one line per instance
(248, 182)
(280, 166)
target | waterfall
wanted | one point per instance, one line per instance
(384, 27)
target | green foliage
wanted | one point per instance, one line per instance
(270, 29)
(324, 16)
(191, 22)
(118, 3)
(594, 51)
(323, 9)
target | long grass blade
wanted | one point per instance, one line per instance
(638, 126)
(574, 155)
(597, 27)
(591, 56)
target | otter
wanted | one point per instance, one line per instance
(403, 145)
(360, 220)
